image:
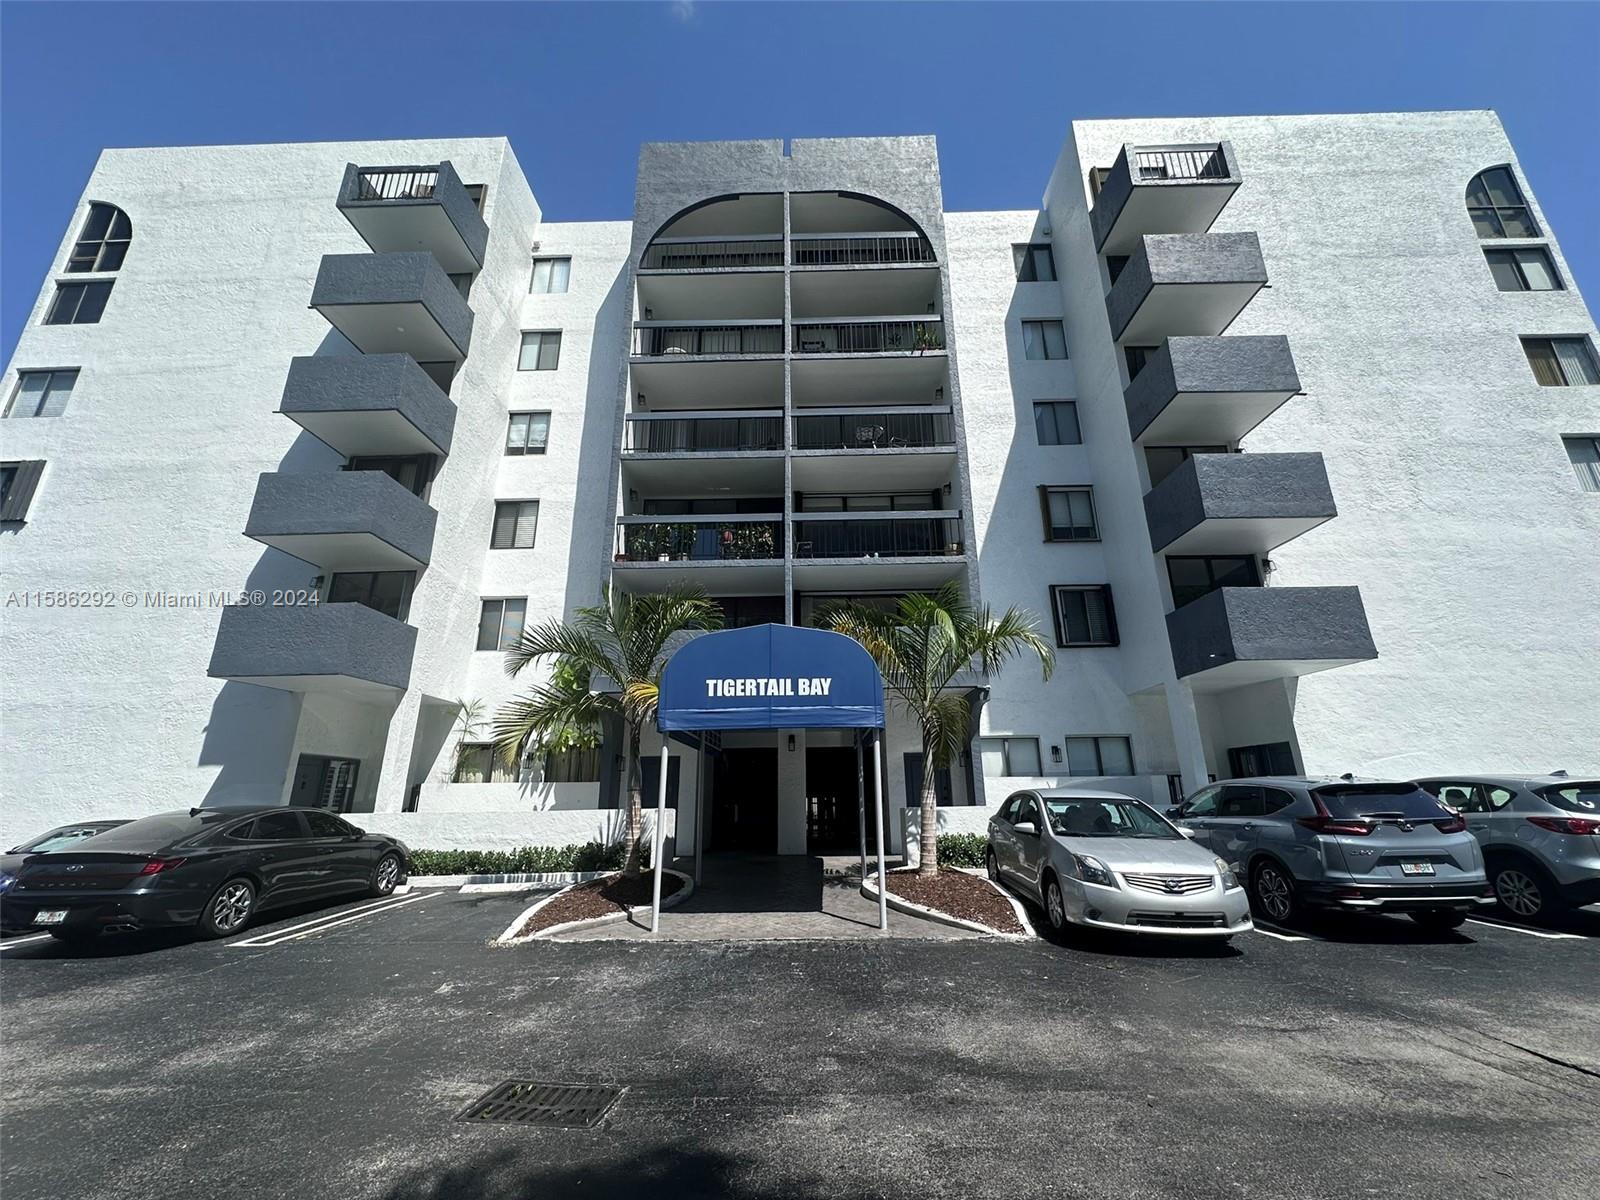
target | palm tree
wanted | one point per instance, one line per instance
(624, 639)
(921, 646)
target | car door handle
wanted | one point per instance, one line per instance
(1248, 825)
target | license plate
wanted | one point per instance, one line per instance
(1416, 868)
(53, 916)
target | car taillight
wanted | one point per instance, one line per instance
(1333, 825)
(157, 865)
(1566, 824)
(1456, 824)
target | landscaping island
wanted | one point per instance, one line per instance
(611, 896)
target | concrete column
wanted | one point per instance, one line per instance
(792, 792)
(1186, 735)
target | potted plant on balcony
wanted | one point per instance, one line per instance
(683, 537)
(926, 339)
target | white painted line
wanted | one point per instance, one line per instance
(1538, 933)
(310, 928)
(1284, 937)
(24, 941)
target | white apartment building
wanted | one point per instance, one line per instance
(1286, 428)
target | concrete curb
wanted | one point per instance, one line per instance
(901, 904)
(509, 937)
(508, 883)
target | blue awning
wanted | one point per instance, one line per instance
(771, 677)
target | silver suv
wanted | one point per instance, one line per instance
(1540, 837)
(1352, 844)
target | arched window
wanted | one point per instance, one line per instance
(103, 241)
(1496, 205)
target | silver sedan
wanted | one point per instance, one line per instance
(1109, 861)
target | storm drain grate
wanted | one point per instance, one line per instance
(555, 1105)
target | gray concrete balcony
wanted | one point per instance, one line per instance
(415, 208)
(1238, 503)
(1237, 636)
(1162, 189)
(733, 554)
(343, 520)
(867, 335)
(1198, 391)
(708, 339)
(687, 452)
(348, 649)
(1184, 284)
(363, 404)
(859, 551)
(397, 303)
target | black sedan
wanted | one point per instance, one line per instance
(59, 838)
(210, 868)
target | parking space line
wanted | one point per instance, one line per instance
(1538, 933)
(1284, 937)
(25, 941)
(308, 928)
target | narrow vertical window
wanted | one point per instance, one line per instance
(102, 242)
(515, 524)
(1056, 423)
(1043, 340)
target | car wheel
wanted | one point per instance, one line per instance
(229, 909)
(386, 875)
(1055, 906)
(991, 866)
(1439, 919)
(1272, 894)
(1524, 891)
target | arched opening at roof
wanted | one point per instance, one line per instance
(1497, 206)
(846, 212)
(753, 215)
(103, 241)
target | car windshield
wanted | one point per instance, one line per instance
(144, 835)
(1380, 800)
(60, 839)
(1575, 797)
(1106, 818)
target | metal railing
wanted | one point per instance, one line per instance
(711, 254)
(699, 539)
(868, 430)
(1204, 163)
(877, 537)
(698, 434)
(397, 183)
(862, 249)
(868, 337)
(655, 341)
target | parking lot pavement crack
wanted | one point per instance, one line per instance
(1551, 1059)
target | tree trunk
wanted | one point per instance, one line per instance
(929, 839)
(635, 826)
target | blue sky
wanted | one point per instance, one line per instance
(578, 87)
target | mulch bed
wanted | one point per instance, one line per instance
(599, 898)
(957, 894)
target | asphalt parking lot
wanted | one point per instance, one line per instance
(327, 1053)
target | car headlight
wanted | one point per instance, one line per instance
(1092, 870)
(1230, 881)
(6, 880)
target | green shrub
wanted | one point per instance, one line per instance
(962, 849)
(524, 860)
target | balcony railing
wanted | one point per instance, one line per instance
(713, 254)
(699, 539)
(908, 536)
(687, 433)
(865, 429)
(663, 340)
(862, 249)
(397, 183)
(1202, 163)
(868, 337)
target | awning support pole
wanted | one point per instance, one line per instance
(877, 813)
(861, 805)
(699, 806)
(661, 840)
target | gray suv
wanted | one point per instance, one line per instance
(1353, 844)
(1540, 837)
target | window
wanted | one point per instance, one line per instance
(102, 242)
(1496, 206)
(1136, 357)
(78, 303)
(1203, 803)
(1035, 263)
(1044, 339)
(550, 275)
(1164, 460)
(1010, 756)
(528, 433)
(540, 351)
(414, 472)
(575, 765)
(1056, 422)
(17, 483)
(1561, 362)
(1525, 269)
(1068, 514)
(1269, 758)
(1585, 455)
(477, 762)
(477, 193)
(276, 827)
(1084, 616)
(388, 592)
(1193, 577)
(500, 623)
(1099, 756)
(327, 825)
(515, 523)
(41, 393)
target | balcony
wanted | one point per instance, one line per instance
(347, 649)
(363, 404)
(915, 335)
(860, 250)
(905, 449)
(343, 520)
(704, 432)
(396, 303)
(726, 339)
(1237, 636)
(1184, 284)
(1162, 189)
(1238, 503)
(704, 453)
(415, 208)
(861, 552)
(761, 252)
(730, 555)
(1206, 390)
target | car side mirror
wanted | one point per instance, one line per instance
(1175, 812)
(1188, 833)
(356, 833)
(1027, 827)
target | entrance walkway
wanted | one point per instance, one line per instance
(764, 897)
